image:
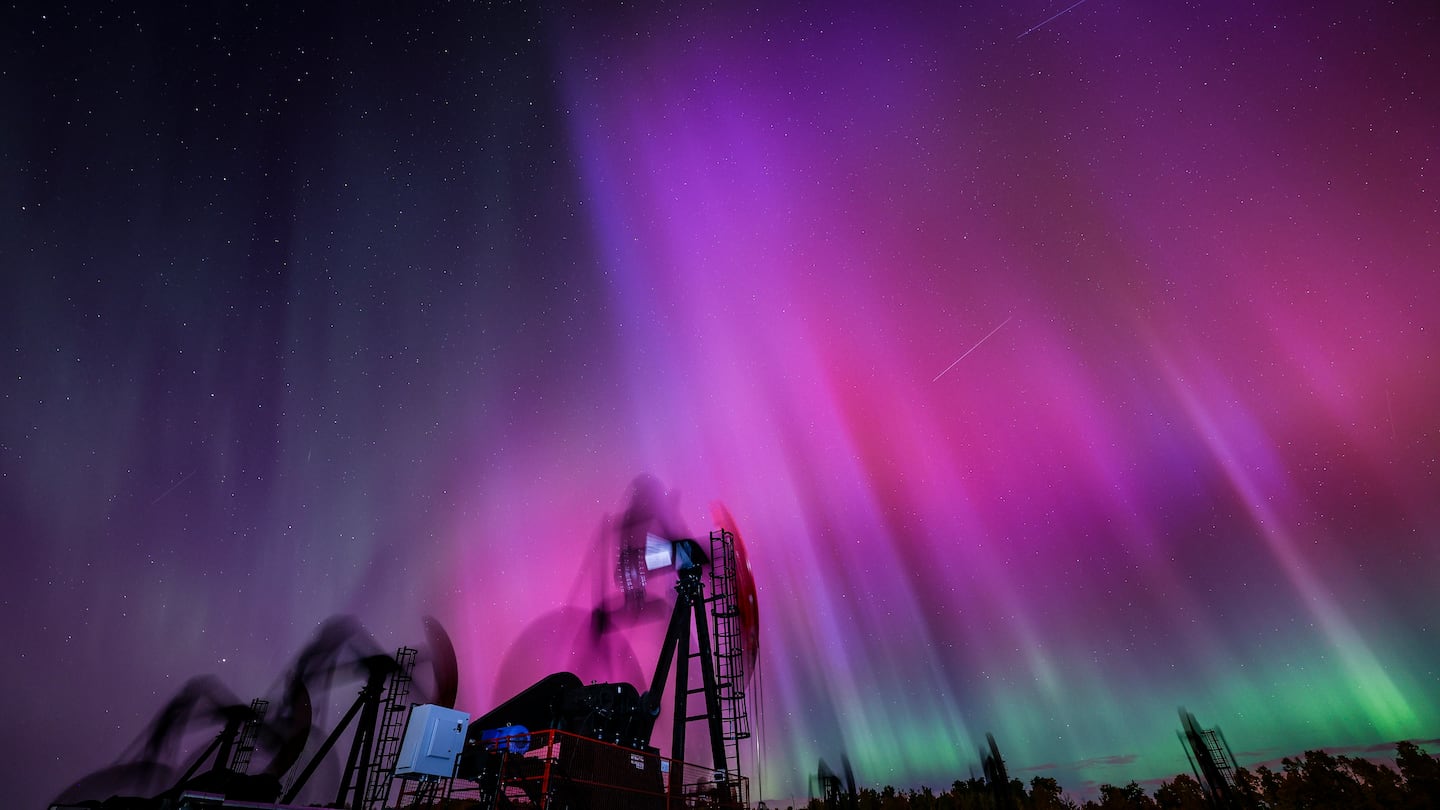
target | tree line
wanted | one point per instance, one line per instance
(1313, 781)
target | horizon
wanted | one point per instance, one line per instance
(1376, 753)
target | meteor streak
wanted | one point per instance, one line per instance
(187, 478)
(1049, 20)
(977, 343)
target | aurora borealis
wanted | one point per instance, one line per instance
(1056, 376)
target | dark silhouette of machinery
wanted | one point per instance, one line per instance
(996, 775)
(381, 670)
(835, 794)
(618, 714)
(379, 711)
(1211, 759)
(144, 778)
(599, 733)
(231, 750)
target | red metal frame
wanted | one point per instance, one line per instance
(560, 769)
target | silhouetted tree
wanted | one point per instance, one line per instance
(892, 799)
(1130, 797)
(1045, 794)
(1381, 786)
(1421, 772)
(1248, 793)
(923, 800)
(1182, 793)
(1267, 784)
(1314, 781)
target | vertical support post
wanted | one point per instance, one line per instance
(682, 687)
(357, 765)
(712, 694)
(550, 754)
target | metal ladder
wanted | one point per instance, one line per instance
(729, 649)
(240, 761)
(424, 793)
(1214, 744)
(392, 730)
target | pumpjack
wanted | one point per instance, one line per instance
(618, 713)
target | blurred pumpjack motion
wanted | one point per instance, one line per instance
(721, 630)
(147, 777)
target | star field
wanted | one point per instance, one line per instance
(1060, 366)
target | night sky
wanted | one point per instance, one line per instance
(1061, 364)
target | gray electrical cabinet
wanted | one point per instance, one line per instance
(433, 739)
